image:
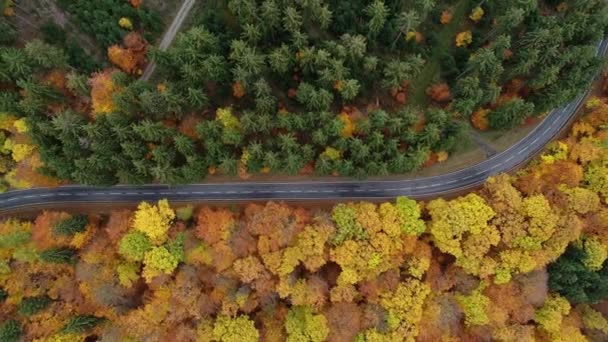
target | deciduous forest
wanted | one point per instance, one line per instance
(325, 87)
(522, 259)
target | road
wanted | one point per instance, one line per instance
(427, 187)
(167, 39)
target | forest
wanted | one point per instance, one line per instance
(521, 259)
(323, 87)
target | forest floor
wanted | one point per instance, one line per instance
(445, 42)
(32, 15)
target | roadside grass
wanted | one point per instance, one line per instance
(445, 42)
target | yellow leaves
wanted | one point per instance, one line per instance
(414, 35)
(199, 255)
(593, 102)
(128, 273)
(237, 329)
(154, 220)
(593, 319)
(230, 122)
(331, 153)
(20, 125)
(158, 261)
(550, 315)
(102, 90)
(7, 121)
(464, 38)
(557, 151)
(476, 14)
(595, 253)
(582, 200)
(442, 156)
(404, 305)
(125, 23)
(452, 220)
(21, 151)
(349, 126)
(475, 306)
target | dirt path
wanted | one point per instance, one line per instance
(170, 34)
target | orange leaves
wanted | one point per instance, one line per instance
(136, 3)
(439, 92)
(446, 17)
(238, 91)
(132, 56)
(214, 226)
(479, 119)
(123, 58)
(102, 89)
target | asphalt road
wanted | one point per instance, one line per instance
(177, 23)
(445, 184)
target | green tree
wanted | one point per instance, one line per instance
(303, 324)
(569, 277)
(32, 305)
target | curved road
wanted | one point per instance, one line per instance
(444, 184)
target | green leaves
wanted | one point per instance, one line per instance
(82, 323)
(10, 331)
(71, 226)
(134, 245)
(59, 255)
(33, 305)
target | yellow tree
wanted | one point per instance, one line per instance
(460, 227)
(154, 220)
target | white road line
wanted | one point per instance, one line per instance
(147, 193)
(295, 191)
(535, 140)
(509, 159)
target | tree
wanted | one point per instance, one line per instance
(10, 331)
(71, 226)
(134, 245)
(378, 14)
(154, 220)
(303, 324)
(59, 256)
(396, 72)
(81, 324)
(32, 305)
(239, 328)
(570, 277)
(158, 261)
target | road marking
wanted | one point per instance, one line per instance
(295, 191)
(509, 159)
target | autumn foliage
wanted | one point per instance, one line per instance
(130, 57)
(523, 258)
